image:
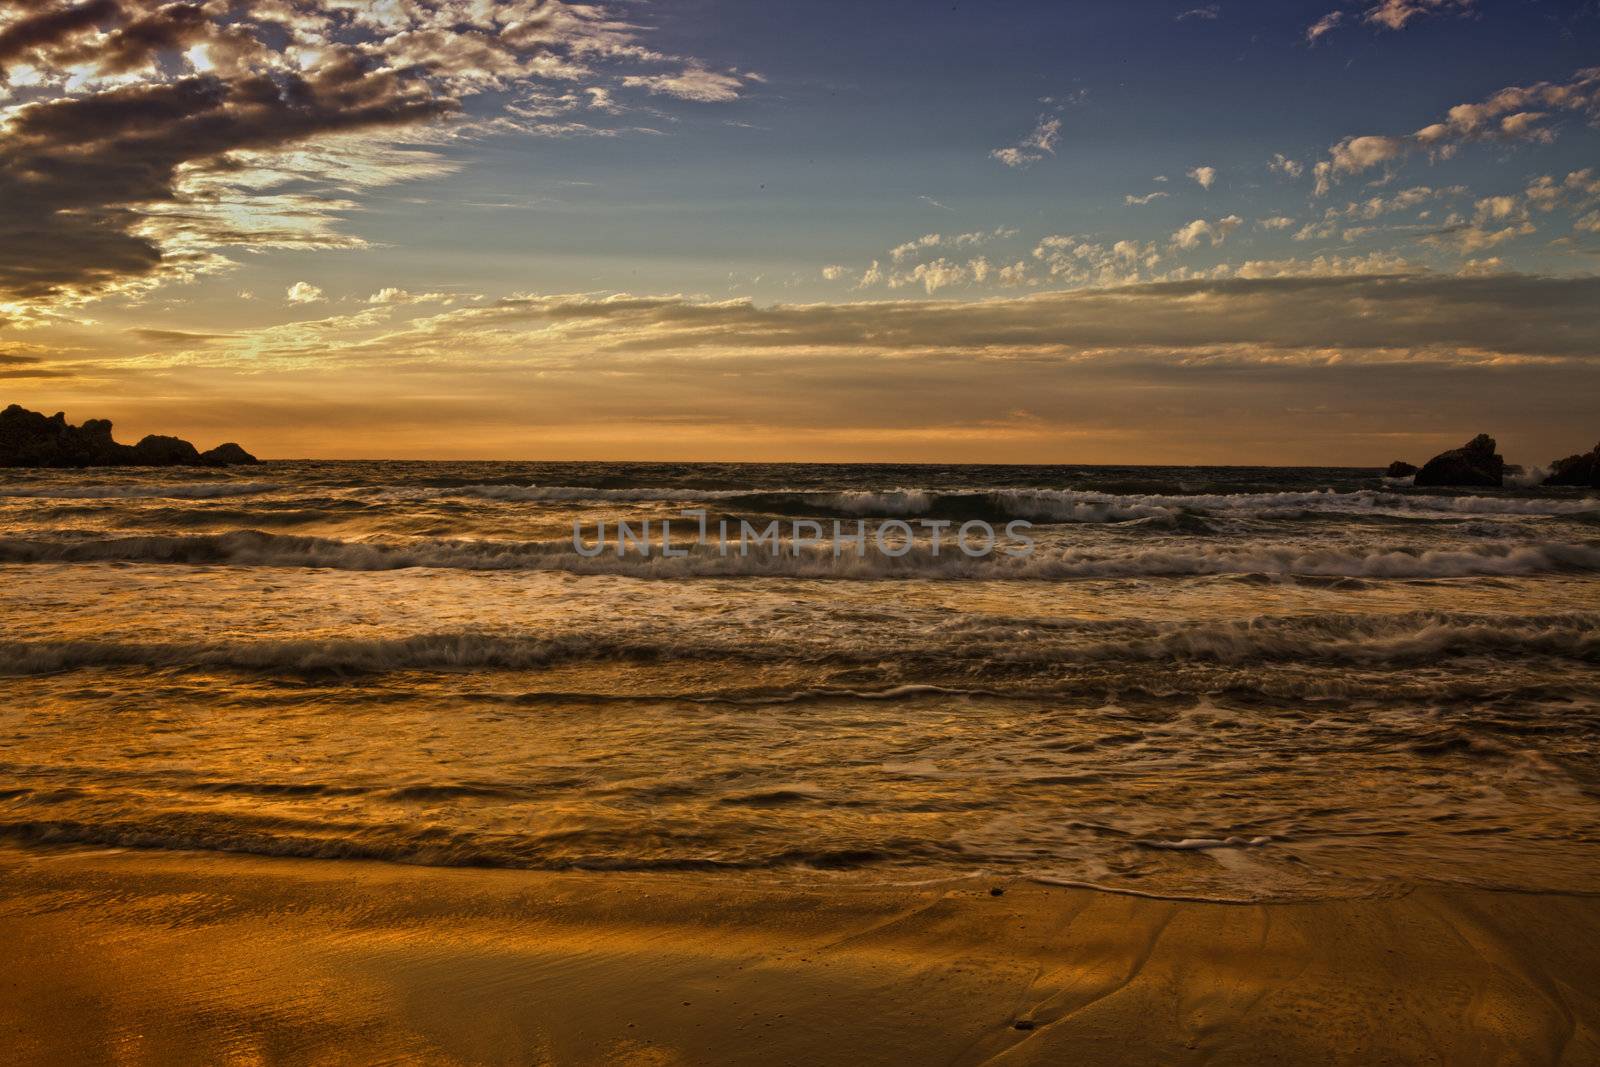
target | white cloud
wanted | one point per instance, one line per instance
(1516, 113)
(1132, 200)
(1016, 274)
(1080, 261)
(303, 293)
(834, 271)
(1323, 26)
(1394, 14)
(1580, 187)
(1289, 168)
(1208, 12)
(1275, 222)
(1190, 235)
(692, 83)
(932, 276)
(393, 296)
(1404, 200)
(1034, 147)
(1376, 263)
(1205, 177)
(1388, 14)
(917, 245)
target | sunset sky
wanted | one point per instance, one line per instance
(1244, 232)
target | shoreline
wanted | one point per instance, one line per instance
(135, 957)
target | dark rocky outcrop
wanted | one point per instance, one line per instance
(1400, 469)
(1582, 469)
(1475, 463)
(159, 451)
(31, 439)
(226, 455)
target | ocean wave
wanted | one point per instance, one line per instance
(257, 548)
(1040, 505)
(142, 490)
(597, 850)
(1355, 639)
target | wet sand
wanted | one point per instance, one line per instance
(179, 958)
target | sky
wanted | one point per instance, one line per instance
(1271, 232)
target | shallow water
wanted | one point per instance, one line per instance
(1239, 683)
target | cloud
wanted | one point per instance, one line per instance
(1389, 15)
(1515, 113)
(1312, 364)
(1191, 235)
(938, 274)
(1147, 198)
(1396, 14)
(303, 293)
(1034, 147)
(1080, 261)
(1208, 12)
(146, 140)
(1204, 177)
(1579, 187)
(1483, 233)
(1440, 316)
(392, 297)
(1275, 222)
(1404, 200)
(973, 239)
(834, 271)
(178, 336)
(1289, 168)
(1326, 266)
(1014, 274)
(691, 83)
(1324, 26)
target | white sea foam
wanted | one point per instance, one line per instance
(1199, 843)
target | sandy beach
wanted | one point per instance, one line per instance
(121, 957)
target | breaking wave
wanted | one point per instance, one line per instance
(257, 548)
(1372, 640)
(1040, 505)
(138, 490)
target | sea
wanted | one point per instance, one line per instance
(1225, 683)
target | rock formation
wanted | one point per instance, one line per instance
(30, 439)
(1582, 469)
(1400, 469)
(226, 455)
(1475, 463)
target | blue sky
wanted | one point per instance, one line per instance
(870, 108)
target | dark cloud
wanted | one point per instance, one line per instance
(170, 28)
(151, 134)
(51, 27)
(1442, 316)
(179, 336)
(76, 172)
(14, 365)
